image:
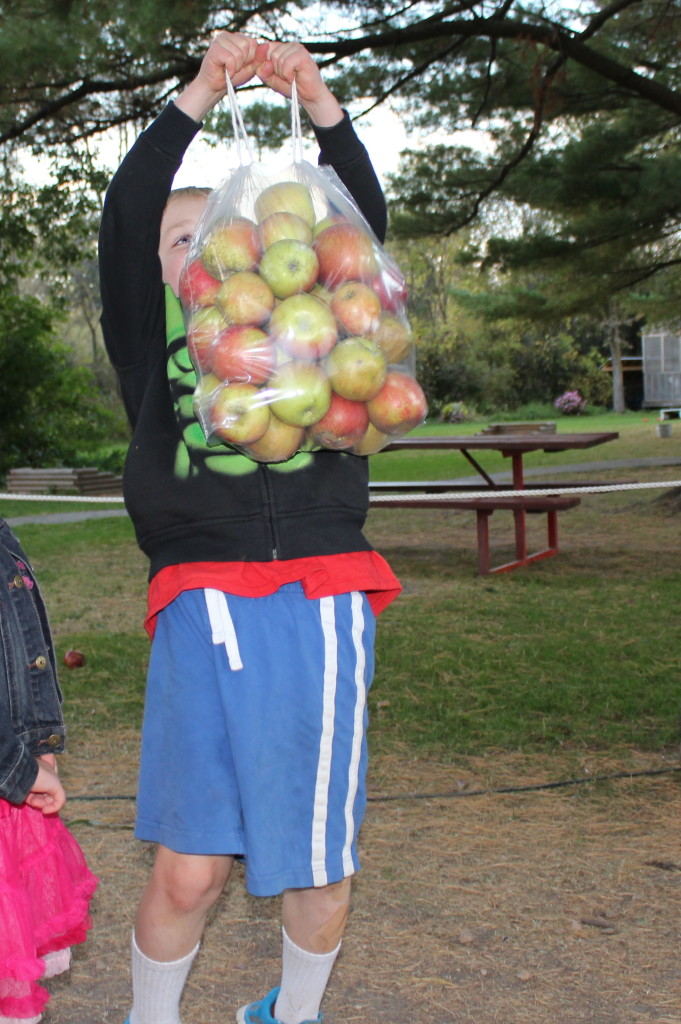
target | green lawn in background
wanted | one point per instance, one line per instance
(578, 652)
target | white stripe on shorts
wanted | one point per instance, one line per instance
(321, 802)
(222, 626)
(321, 796)
(353, 773)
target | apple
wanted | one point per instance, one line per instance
(300, 393)
(231, 246)
(239, 413)
(356, 307)
(282, 225)
(303, 327)
(332, 218)
(393, 338)
(286, 197)
(391, 288)
(356, 368)
(74, 659)
(399, 406)
(345, 253)
(245, 298)
(243, 353)
(206, 388)
(322, 293)
(289, 266)
(342, 425)
(197, 287)
(279, 442)
(203, 328)
(373, 441)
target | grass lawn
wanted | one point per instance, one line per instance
(580, 652)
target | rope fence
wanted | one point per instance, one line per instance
(386, 496)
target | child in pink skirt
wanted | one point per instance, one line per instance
(45, 884)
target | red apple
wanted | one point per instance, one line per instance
(342, 426)
(303, 327)
(231, 246)
(282, 225)
(393, 338)
(202, 330)
(356, 368)
(287, 197)
(345, 253)
(239, 414)
(289, 267)
(399, 406)
(245, 298)
(373, 441)
(300, 393)
(279, 442)
(391, 288)
(332, 218)
(74, 659)
(243, 353)
(356, 307)
(197, 287)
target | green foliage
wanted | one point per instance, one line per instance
(47, 407)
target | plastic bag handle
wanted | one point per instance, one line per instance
(243, 143)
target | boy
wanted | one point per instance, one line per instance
(263, 592)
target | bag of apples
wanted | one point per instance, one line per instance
(295, 316)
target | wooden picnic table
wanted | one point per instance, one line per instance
(490, 496)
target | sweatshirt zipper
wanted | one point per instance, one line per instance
(268, 497)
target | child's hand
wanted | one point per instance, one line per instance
(277, 64)
(47, 793)
(230, 53)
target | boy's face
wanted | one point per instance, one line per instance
(177, 226)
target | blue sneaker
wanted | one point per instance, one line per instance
(263, 1012)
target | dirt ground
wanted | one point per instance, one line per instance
(475, 907)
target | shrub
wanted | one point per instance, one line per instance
(570, 403)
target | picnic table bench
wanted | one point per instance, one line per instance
(490, 496)
(62, 480)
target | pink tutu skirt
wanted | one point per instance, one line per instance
(45, 890)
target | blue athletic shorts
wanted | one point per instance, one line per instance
(254, 737)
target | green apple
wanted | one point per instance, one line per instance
(286, 197)
(356, 368)
(300, 393)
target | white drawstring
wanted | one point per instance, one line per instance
(222, 626)
(241, 135)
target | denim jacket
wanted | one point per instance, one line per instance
(31, 720)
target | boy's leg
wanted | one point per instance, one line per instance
(168, 928)
(313, 925)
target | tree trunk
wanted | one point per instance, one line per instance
(618, 402)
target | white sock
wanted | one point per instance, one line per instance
(304, 977)
(21, 1020)
(56, 963)
(157, 987)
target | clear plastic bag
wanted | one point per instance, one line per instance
(295, 316)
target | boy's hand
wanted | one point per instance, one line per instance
(277, 64)
(47, 793)
(230, 54)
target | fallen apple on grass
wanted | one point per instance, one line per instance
(74, 659)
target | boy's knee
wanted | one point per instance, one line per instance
(191, 882)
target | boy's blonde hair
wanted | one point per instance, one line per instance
(189, 192)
